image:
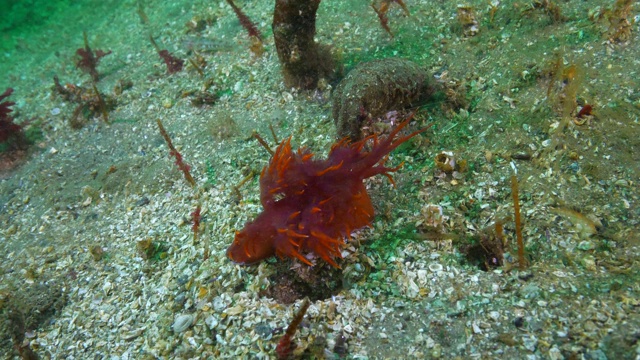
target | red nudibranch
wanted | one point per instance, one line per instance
(311, 205)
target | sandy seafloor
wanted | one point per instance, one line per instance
(409, 291)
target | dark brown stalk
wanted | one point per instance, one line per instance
(103, 105)
(236, 189)
(284, 348)
(303, 61)
(263, 143)
(143, 16)
(273, 133)
(153, 42)
(198, 69)
(500, 232)
(516, 208)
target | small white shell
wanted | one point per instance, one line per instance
(435, 267)
(107, 287)
(182, 323)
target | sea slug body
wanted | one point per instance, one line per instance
(311, 205)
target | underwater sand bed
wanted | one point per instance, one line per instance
(102, 215)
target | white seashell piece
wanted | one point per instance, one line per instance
(182, 323)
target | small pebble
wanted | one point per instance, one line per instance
(182, 323)
(142, 202)
(264, 330)
(521, 156)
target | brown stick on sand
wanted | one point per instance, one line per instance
(516, 208)
(173, 152)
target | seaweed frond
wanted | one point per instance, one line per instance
(8, 128)
(87, 60)
(174, 64)
(174, 152)
(246, 23)
(12, 135)
(195, 218)
(382, 10)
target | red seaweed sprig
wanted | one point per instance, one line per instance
(5, 105)
(382, 16)
(382, 10)
(245, 21)
(284, 348)
(87, 60)
(174, 64)
(7, 126)
(195, 218)
(173, 152)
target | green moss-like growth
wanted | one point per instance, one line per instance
(152, 250)
(385, 246)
